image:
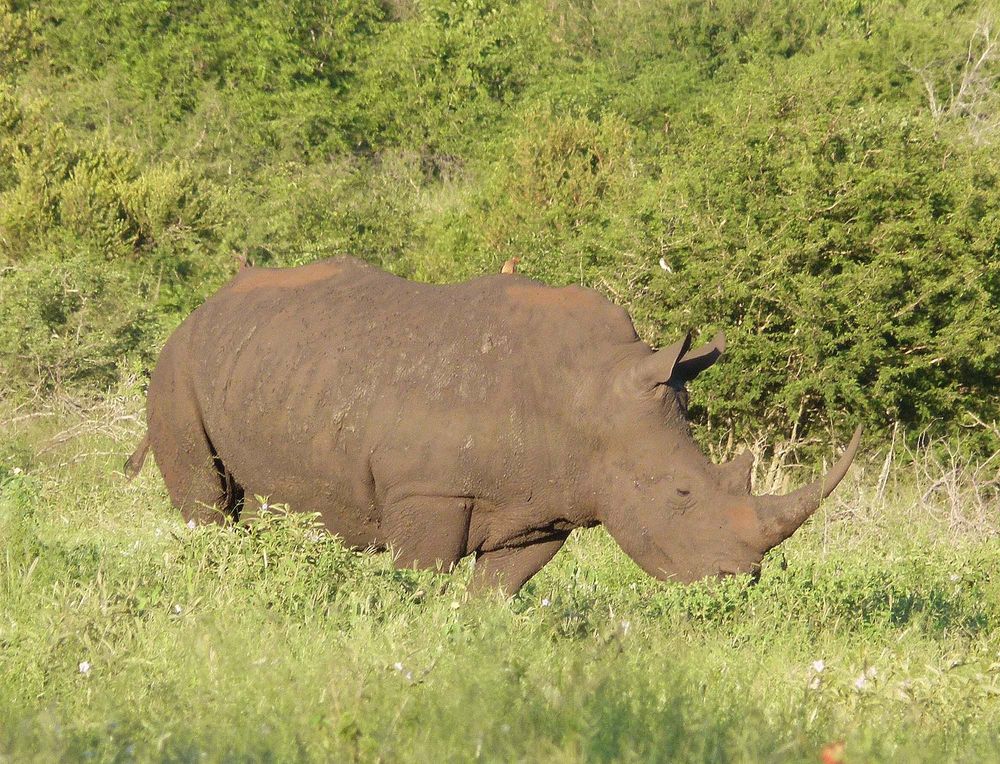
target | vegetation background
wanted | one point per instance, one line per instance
(820, 178)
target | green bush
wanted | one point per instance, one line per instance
(852, 255)
(807, 172)
(560, 198)
(19, 39)
(257, 79)
(98, 255)
(68, 322)
(444, 79)
(294, 213)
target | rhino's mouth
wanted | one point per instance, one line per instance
(734, 569)
(667, 570)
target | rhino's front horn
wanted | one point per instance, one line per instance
(780, 516)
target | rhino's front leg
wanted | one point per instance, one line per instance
(427, 531)
(509, 568)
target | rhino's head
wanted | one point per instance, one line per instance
(679, 516)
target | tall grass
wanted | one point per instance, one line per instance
(126, 635)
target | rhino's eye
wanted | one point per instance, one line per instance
(682, 499)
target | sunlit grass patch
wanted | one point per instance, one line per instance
(126, 634)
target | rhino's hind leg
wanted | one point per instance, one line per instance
(508, 569)
(198, 482)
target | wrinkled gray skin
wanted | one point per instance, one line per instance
(487, 418)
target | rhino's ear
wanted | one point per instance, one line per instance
(696, 361)
(658, 368)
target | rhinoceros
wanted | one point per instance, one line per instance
(486, 418)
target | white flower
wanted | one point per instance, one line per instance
(663, 264)
(264, 507)
(16, 471)
(191, 524)
(626, 625)
(861, 683)
(546, 602)
(954, 577)
(84, 667)
(818, 666)
(177, 609)
(398, 666)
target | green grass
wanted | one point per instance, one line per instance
(279, 644)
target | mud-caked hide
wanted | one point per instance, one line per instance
(487, 418)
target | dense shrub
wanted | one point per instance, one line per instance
(293, 214)
(68, 321)
(820, 179)
(852, 251)
(19, 38)
(98, 253)
(560, 198)
(444, 79)
(254, 80)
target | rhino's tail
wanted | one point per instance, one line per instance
(135, 461)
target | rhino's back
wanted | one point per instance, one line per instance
(341, 323)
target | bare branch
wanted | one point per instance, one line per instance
(975, 97)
